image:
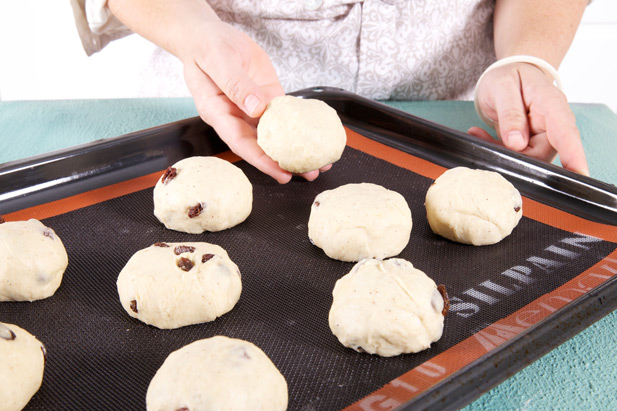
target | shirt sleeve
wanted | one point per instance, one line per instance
(95, 24)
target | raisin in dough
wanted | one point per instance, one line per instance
(170, 285)
(387, 307)
(358, 221)
(200, 194)
(476, 207)
(301, 134)
(33, 261)
(22, 363)
(217, 373)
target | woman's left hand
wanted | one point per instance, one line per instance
(530, 115)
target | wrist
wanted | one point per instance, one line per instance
(202, 39)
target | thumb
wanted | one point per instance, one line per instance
(243, 92)
(512, 123)
(235, 83)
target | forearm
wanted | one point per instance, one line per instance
(541, 28)
(169, 24)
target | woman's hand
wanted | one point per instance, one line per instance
(530, 115)
(232, 79)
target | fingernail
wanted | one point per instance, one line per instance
(250, 104)
(516, 140)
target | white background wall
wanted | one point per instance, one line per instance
(41, 57)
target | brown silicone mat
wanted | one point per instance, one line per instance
(100, 358)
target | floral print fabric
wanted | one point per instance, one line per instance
(380, 49)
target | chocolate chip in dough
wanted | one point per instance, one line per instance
(446, 301)
(517, 209)
(6, 333)
(185, 264)
(159, 244)
(206, 257)
(196, 210)
(169, 175)
(183, 249)
(133, 306)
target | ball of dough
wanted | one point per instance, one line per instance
(33, 261)
(476, 207)
(301, 134)
(170, 285)
(358, 221)
(387, 307)
(200, 194)
(218, 373)
(22, 362)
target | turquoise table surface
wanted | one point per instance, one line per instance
(579, 374)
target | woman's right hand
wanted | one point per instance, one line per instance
(230, 77)
(232, 80)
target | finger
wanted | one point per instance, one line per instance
(539, 147)
(231, 78)
(564, 136)
(550, 116)
(481, 134)
(231, 125)
(240, 138)
(310, 175)
(512, 117)
(228, 70)
(553, 117)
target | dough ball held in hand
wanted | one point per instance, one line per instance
(32, 263)
(200, 194)
(218, 373)
(22, 363)
(358, 221)
(301, 135)
(476, 207)
(387, 307)
(171, 285)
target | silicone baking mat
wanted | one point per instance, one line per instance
(518, 289)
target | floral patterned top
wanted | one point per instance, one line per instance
(380, 49)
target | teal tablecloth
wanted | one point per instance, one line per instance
(579, 374)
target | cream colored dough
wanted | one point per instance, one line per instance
(200, 194)
(386, 307)
(476, 207)
(33, 261)
(22, 363)
(301, 134)
(218, 373)
(358, 221)
(170, 285)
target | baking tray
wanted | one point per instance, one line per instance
(99, 358)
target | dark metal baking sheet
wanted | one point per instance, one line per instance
(43, 178)
(61, 174)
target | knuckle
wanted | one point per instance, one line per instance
(232, 87)
(512, 116)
